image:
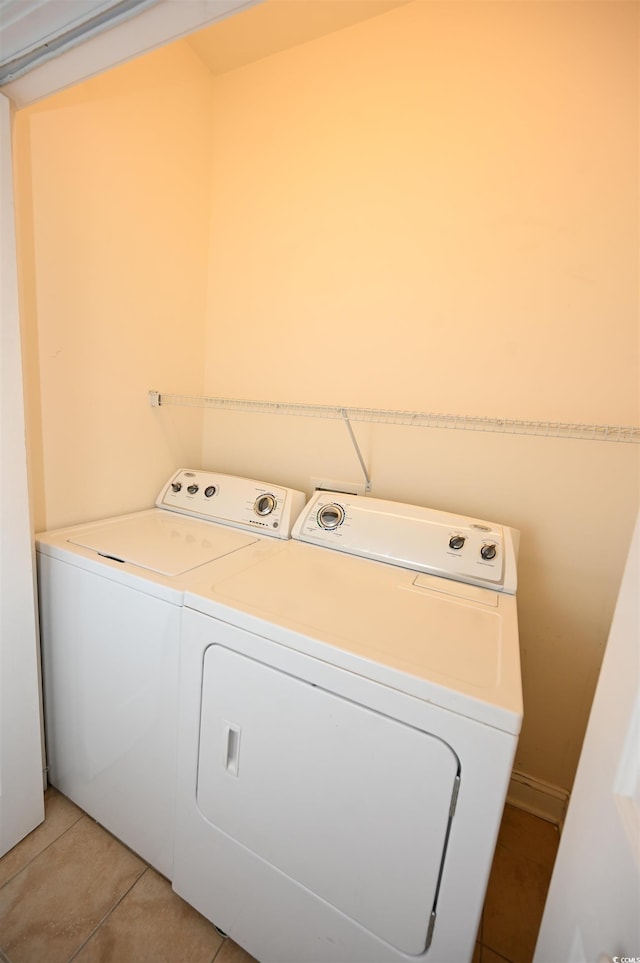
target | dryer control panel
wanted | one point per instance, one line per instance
(231, 500)
(423, 539)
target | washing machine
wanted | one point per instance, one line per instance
(110, 597)
(349, 713)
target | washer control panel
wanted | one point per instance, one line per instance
(231, 500)
(423, 539)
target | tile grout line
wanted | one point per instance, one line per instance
(498, 956)
(107, 915)
(40, 851)
(223, 940)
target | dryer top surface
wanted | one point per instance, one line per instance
(452, 644)
(435, 542)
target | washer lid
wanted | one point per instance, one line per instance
(162, 542)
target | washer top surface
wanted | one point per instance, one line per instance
(201, 518)
(162, 542)
(452, 643)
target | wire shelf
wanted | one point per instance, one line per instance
(626, 434)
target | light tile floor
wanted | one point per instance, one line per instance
(71, 891)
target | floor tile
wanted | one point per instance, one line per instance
(230, 952)
(59, 814)
(513, 906)
(70, 891)
(152, 925)
(529, 836)
(50, 908)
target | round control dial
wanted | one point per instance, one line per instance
(330, 516)
(456, 542)
(264, 504)
(489, 551)
(192, 489)
(177, 486)
(209, 491)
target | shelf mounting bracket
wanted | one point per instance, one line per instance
(354, 442)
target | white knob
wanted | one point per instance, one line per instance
(264, 504)
(330, 516)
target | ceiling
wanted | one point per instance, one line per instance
(34, 30)
(275, 25)
(47, 45)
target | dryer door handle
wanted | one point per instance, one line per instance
(232, 748)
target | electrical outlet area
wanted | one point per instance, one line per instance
(337, 485)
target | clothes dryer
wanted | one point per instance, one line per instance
(110, 596)
(349, 714)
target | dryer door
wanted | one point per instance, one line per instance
(350, 803)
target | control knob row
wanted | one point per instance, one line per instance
(263, 505)
(193, 489)
(488, 551)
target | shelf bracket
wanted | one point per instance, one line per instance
(354, 442)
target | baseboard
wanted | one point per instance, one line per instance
(538, 797)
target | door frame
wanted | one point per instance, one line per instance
(21, 746)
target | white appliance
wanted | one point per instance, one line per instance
(110, 605)
(349, 713)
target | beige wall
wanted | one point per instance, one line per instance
(436, 209)
(113, 187)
